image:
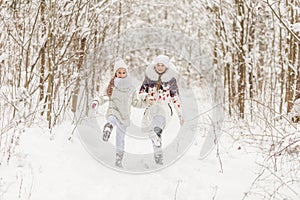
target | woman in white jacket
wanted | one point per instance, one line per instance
(160, 91)
(122, 95)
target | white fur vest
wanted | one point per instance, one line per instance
(163, 90)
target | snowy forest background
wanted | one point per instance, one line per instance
(252, 48)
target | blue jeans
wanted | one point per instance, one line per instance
(120, 132)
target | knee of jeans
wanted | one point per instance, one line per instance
(112, 119)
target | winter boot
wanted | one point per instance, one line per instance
(107, 131)
(119, 158)
(158, 159)
(158, 131)
(156, 138)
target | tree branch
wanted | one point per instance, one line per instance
(282, 22)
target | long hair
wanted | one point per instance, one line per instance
(110, 87)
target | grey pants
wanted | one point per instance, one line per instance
(120, 133)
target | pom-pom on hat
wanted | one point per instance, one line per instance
(163, 59)
(119, 63)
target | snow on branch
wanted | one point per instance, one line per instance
(283, 23)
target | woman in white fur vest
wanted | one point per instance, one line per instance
(160, 91)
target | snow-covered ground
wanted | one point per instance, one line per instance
(53, 166)
(47, 167)
(62, 169)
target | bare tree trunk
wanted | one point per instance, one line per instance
(283, 72)
(80, 63)
(49, 99)
(251, 41)
(262, 47)
(119, 26)
(241, 59)
(43, 53)
(291, 57)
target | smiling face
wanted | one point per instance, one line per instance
(160, 68)
(121, 73)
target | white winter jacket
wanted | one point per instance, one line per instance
(123, 97)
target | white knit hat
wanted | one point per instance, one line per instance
(119, 63)
(163, 59)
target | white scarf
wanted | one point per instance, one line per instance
(123, 83)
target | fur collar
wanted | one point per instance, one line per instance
(123, 84)
(165, 77)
